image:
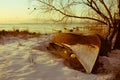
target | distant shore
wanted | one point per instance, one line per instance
(24, 34)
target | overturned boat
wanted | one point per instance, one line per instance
(81, 50)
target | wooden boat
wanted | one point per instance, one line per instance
(86, 47)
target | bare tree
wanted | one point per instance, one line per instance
(102, 11)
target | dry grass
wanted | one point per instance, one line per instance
(24, 34)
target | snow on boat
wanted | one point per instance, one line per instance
(85, 48)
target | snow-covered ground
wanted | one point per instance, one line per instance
(29, 60)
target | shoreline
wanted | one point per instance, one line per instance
(18, 33)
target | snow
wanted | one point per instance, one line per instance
(30, 60)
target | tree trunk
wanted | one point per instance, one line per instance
(117, 42)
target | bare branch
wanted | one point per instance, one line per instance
(96, 5)
(60, 20)
(63, 13)
(68, 5)
(97, 11)
(108, 11)
(91, 4)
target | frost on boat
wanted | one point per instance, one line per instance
(80, 50)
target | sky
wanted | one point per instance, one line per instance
(21, 11)
(15, 11)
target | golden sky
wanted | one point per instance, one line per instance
(19, 11)
(14, 11)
